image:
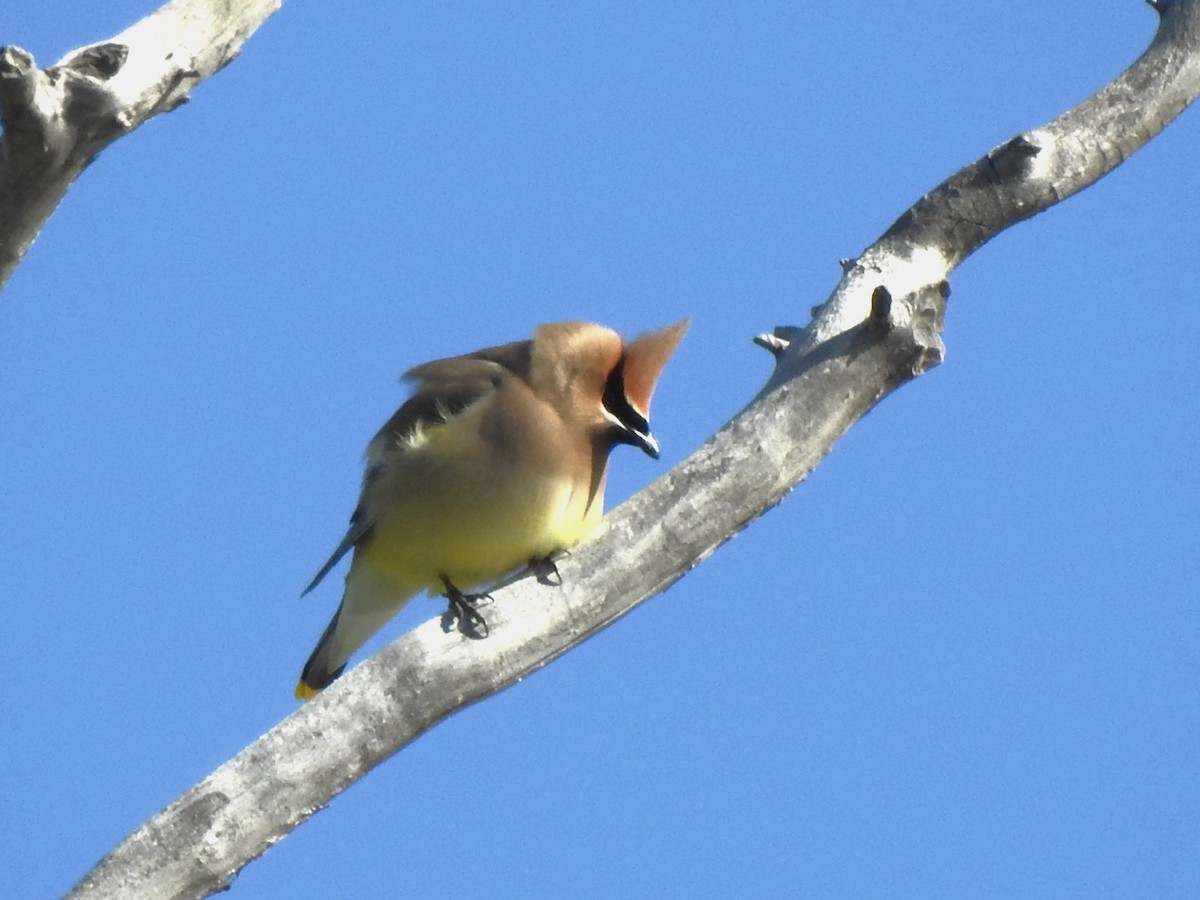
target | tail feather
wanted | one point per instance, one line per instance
(369, 602)
(320, 670)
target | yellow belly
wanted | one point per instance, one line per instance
(470, 522)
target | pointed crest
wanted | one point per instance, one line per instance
(645, 358)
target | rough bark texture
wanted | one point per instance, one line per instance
(1022, 177)
(57, 119)
(879, 328)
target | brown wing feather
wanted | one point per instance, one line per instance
(445, 387)
(512, 357)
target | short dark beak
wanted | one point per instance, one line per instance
(644, 440)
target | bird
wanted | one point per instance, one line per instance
(496, 461)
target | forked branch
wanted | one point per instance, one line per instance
(57, 119)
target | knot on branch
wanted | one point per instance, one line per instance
(17, 84)
(1010, 160)
(64, 111)
(926, 323)
(901, 331)
(100, 61)
(91, 110)
(778, 341)
(881, 307)
(910, 325)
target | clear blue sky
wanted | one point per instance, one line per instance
(960, 661)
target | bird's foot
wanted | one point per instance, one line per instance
(463, 612)
(545, 570)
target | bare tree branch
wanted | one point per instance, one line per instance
(1022, 177)
(57, 119)
(879, 328)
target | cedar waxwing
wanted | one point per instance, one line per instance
(496, 461)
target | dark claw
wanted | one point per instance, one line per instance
(463, 610)
(546, 571)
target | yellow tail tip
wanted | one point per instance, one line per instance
(304, 692)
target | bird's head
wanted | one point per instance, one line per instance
(607, 381)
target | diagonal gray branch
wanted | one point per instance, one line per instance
(57, 119)
(1020, 178)
(879, 328)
